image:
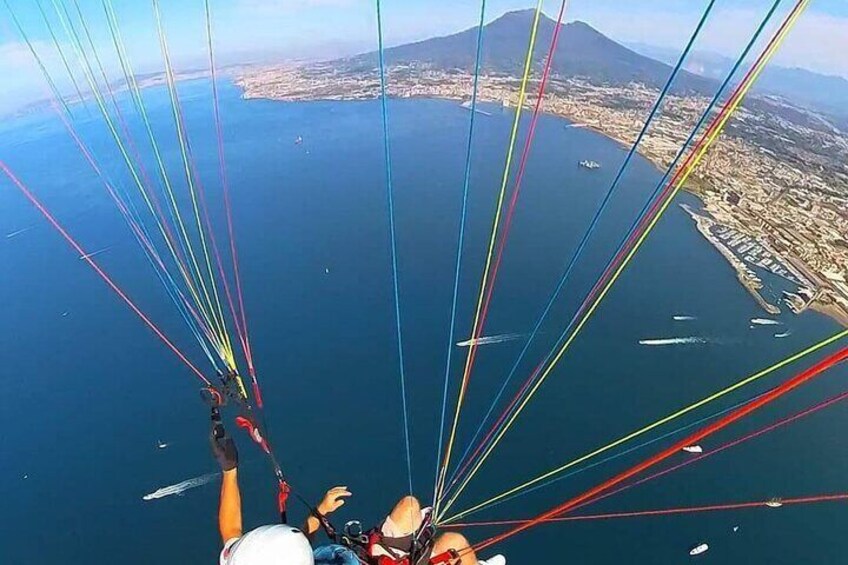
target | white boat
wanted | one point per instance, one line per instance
(587, 164)
(161, 444)
(693, 449)
(774, 503)
(467, 105)
(699, 549)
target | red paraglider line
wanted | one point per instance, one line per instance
(125, 212)
(737, 414)
(664, 511)
(743, 439)
(780, 423)
(222, 167)
(670, 186)
(531, 134)
(73, 243)
(494, 428)
(522, 166)
(613, 264)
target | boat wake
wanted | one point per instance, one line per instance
(675, 341)
(16, 233)
(681, 318)
(180, 488)
(764, 322)
(94, 253)
(490, 340)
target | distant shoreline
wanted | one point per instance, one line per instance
(745, 279)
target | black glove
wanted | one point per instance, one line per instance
(223, 448)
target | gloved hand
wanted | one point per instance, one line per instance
(223, 448)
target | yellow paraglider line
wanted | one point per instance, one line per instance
(690, 167)
(88, 72)
(502, 193)
(218, 315)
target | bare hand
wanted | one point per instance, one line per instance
(333, 500)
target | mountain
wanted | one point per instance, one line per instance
(815, 91)
(582, 51)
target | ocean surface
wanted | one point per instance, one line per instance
(88, 392)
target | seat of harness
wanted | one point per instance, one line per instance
(409, 549)
(401, 550)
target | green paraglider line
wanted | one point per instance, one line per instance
(593, 493)
(102, 274)
(668, 511)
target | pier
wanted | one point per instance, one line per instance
(745, 274)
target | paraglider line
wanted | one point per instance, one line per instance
(94, 265)
(241, 328)
(460, 242)
(495, 223)
(393, 240)
(507, 225)
(587, 234)
(665, 511)
(683, 174)
(779, 391)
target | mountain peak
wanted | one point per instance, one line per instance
(524, 15)
(582, 51)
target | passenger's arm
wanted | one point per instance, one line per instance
(333, 500)
(229, 513)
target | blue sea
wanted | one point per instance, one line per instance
(88, 391)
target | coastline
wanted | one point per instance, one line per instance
(709, 185)
(831, 312)
(746, 277)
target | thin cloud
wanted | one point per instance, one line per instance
(15, 56)
(819, 42)
(22, 79)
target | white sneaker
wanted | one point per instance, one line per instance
(496, 560)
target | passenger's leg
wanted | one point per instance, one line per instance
(398, 528)
(406, 516)
(458, 543)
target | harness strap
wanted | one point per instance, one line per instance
(283, 499)
(416, 554)
(402, 543)
(326, 525)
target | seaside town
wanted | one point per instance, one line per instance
(777, 179)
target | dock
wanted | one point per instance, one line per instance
(744, 274)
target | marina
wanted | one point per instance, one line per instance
(729, 246)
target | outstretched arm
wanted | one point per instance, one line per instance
(229, 513)
(333, 500)
(224, 449)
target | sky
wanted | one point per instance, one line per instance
(264, 30)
